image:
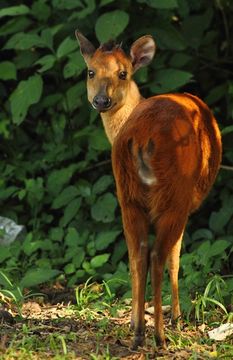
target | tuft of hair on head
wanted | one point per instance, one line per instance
(109, 46)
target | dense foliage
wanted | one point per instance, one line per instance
(55, 165)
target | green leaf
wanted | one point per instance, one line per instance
(22, 41)
(198, 22)
(70, 211)
(141, 76)
(57, 179)
(99, 260)
(47, 38)
(87, 267)
(40, 11)
(179, 60)
(26, 59)
(30, 247)
(168, 37)
(91, 250)
(120, 249)
(74, 66)
(27, 93)
(84, 188)
(227, 130)
(56, 234)
(205, 234)
(66, 4)
(51, 101)
(105, 2)
(73, 95)
(67, 195)
(98, 140)
(104, 208)
(219, 219)
(14, 11)
(215, 94)
(73, 239)
(111, 24)
(229, 283)
(170, 79)
(67, 46)
(218, 247)
(69, 70)
(4, 254)
(35, 277)
(204, 249)
(35, 190)
(88, 6)
(105, 238)
(8, 192)
(79, 257)
(7, 70)
(102, 184)
(15, 25)
(46, 62)
(5, 281)
(69, 269)
(76, 278)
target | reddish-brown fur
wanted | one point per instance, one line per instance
(165, 156)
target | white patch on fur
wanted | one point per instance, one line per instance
(147, 179)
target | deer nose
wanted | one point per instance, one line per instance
(101, 102)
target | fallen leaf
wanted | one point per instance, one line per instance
(202, 327)
(221, 332)
(165, 308)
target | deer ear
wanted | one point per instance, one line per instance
(142, 51)
(86, 47)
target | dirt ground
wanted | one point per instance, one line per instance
(91, 334)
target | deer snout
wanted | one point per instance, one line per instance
(101, 102)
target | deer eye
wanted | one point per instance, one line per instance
(91, 74)
(122, 75)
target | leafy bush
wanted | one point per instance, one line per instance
(55, 158)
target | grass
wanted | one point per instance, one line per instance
(97, 327)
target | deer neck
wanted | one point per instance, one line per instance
(114, 120)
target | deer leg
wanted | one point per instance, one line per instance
(136, 231)
(173, 266)
(169, 230)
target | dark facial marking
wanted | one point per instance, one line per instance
(150, 147)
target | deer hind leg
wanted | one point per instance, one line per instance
(173, 266)
(169, 229)
(136, 231)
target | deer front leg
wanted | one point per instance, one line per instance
(136, 231)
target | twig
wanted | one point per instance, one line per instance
(226, 167)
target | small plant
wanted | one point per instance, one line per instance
(14, 291)
(56, 342)
(216, 287)
(210, 299)
(104, 356)
(87, 293)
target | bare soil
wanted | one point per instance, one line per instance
(92, 333)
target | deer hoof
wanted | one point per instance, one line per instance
(138, 341)
(161, 343)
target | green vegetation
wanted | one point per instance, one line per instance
(55, 163)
